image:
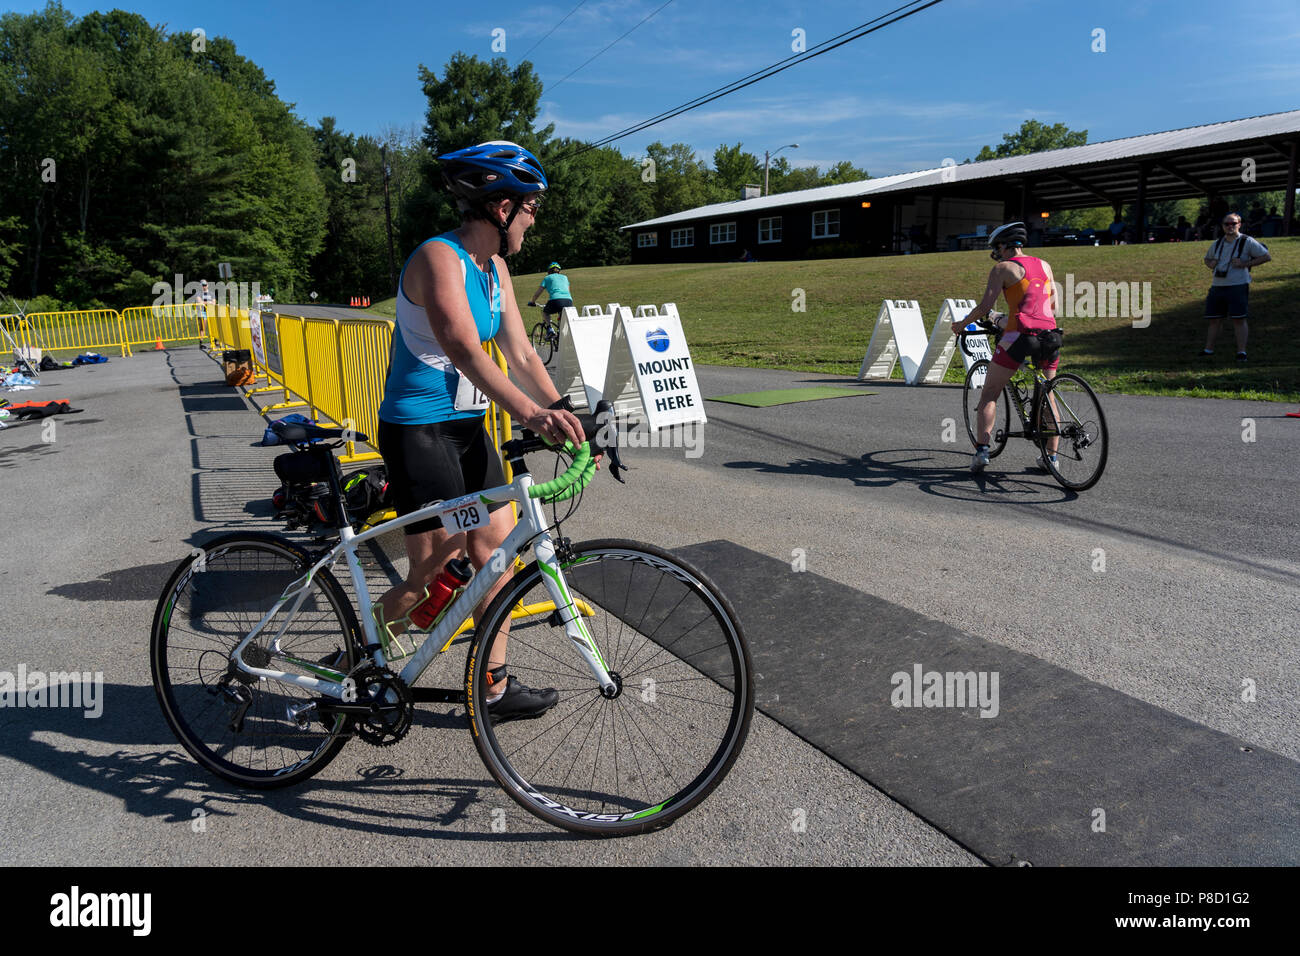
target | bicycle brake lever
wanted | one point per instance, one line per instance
(615, 464)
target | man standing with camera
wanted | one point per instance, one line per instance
(1231, 258)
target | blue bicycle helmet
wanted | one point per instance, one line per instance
(499, 166)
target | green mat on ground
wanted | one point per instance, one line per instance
(784, 396)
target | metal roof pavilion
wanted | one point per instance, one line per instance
(1257, 153)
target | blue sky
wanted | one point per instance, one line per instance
(939, 84)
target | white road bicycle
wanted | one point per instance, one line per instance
(264, 669)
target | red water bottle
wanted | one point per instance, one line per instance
(454, 576)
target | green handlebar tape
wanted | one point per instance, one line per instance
(572, 481)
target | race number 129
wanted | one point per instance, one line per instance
(465, 517)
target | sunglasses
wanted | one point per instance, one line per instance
(1231, 222)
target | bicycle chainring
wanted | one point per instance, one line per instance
(389, 720)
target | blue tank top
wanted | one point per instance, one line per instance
(421, 383)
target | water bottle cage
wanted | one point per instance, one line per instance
(391, 632)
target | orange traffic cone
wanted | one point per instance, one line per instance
(366, 302)
(158, 346)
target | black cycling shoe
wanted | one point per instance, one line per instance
(521, 702)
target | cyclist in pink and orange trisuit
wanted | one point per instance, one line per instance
(1029, 328)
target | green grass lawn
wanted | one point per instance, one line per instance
(740, 313)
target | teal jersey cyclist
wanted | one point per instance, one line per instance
(455, 294)
(556, 287)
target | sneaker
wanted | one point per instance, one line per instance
(1042, 461)
(979, 461)
(1204, 352)
(1241, 357)
(520, 702)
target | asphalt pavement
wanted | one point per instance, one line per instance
(1167, 593)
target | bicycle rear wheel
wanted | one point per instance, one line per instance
(232, 723)
(1001, 411)
(1070, 417)
(542, 342)
(636, 761)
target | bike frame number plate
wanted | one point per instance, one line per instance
(464, 514)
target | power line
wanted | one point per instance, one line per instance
(643, 20)
(824, 47)
(552, 30)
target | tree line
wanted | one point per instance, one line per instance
(131, 155)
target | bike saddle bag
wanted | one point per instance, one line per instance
(304, 467)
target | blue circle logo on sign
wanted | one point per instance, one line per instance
(657, 339)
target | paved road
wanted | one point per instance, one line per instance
(1198, 595)
(323, 311)
(161, 459)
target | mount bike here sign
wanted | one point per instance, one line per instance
(648, 353)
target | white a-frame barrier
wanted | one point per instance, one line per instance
(650, 374)
(584, 351)
(898, 336)
(943, 343)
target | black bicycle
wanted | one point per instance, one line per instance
(1061, 415)
(545, 336)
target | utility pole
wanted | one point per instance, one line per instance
(388, 219)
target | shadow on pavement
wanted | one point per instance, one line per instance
(154, 778)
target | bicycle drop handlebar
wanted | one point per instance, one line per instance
(601, 433)
(982, 327)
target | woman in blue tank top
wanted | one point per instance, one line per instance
(455, 294)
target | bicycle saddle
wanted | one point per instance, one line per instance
(296, 433)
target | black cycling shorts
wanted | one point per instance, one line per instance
(553, 306)
(440, 460)
(1041, 345)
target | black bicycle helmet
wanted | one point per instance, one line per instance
(1011, 234)
(476, 174)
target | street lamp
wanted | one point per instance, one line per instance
(767, 158)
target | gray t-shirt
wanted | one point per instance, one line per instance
(1221, 250)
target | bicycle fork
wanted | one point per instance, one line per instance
(570, 615)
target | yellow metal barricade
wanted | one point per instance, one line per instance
(152, 325)
(364, 346)
(86, 330)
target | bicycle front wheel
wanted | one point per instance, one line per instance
(542, 342)
(1001, 410)
(1070, 422)
(633, 762)
(234, 724)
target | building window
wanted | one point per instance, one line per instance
(826, 224)
(720, 232)
(647, 239)
(769, 230)
(683, 237)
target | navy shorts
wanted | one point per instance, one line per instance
(440, 460)
(553, 306)
(1227, 301)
